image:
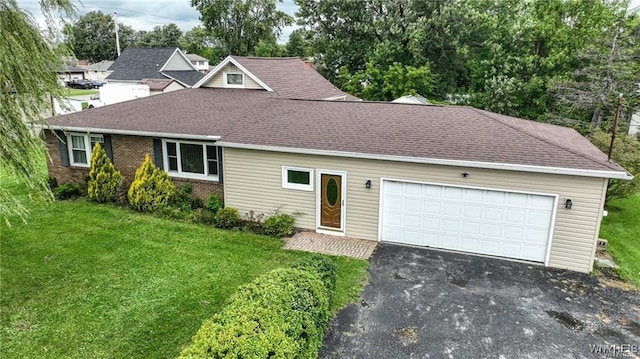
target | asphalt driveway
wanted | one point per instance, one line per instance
(423, 303)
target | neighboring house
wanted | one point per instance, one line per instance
(412, 99)
(158, 86)
(135, 64)
(69, 73)
(257, 133)
(98, 71)
(199, 62)
(634, 125)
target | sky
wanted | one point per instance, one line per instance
(145, 14)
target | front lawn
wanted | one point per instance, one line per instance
(84, 280)
(622, 229)
(80, 92)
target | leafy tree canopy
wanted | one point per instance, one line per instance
(92, 37)
(28, 80)
(240, 25)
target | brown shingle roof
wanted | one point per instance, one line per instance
(291, 77)
(433, 132)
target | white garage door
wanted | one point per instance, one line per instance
(506, 224)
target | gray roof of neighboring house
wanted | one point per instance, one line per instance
(195, 57)
(291, 77)
(141, 63)
(99, 66)
(186, 77)
(375, 128)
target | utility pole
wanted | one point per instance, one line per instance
(115, 20)
(615, 125)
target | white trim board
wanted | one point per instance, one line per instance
(131, 133)
(224, 63)
(437, 161)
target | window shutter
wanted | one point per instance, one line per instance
(219, 164)
(157, 153)
(62, 145)
(107, 146)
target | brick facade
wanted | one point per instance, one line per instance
(128, 153)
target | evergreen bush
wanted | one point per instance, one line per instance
(151, 187)
(104, 179)
(282, 314)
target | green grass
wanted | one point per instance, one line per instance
(622, 229)
(80, 92)
(84, 280)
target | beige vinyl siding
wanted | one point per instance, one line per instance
(253, 182)
(217, 80)
(177, 63)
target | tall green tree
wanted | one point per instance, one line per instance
(161, 36)
(609, 66)
(200, 41)
(27, 83)
(299, 44)
(239, 25)
(390, 82)
(92, 37)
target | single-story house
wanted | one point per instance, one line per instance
(135, 64)
(98, 71)
(272, 134)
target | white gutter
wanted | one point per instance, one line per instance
(132, 133)
(436, 161)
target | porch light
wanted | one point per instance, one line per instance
(368, 184)
(568, 203)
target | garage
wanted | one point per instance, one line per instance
(484, 221)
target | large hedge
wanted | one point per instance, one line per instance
(282, 314)
(104, 179)
(151, 187)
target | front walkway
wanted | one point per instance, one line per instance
(333, 245)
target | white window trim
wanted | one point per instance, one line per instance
(179, 173)
(87, 148)
(297, 186)
(224, 79)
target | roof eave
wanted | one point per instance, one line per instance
(130, 132)
(438, 161)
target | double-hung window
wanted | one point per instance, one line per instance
(80, 146)
(191, 159)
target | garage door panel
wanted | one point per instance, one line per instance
(452, 209)
(451, 226)
(473, 211)
(430, 224)
(412, 204)
(449, 242)
(411, 221)
(453, 193)
(494, 213)
(515, 225)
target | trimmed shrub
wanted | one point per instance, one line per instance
(104, 179)
(227, 218)
(282, 314)
(253, 222)
(214, 203)
(151, 187)
(323, 266)
(67, 190)
(184, 199)
(204, 216)
(279, 225)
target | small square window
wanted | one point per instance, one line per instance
(234, 79)
(297, 178)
